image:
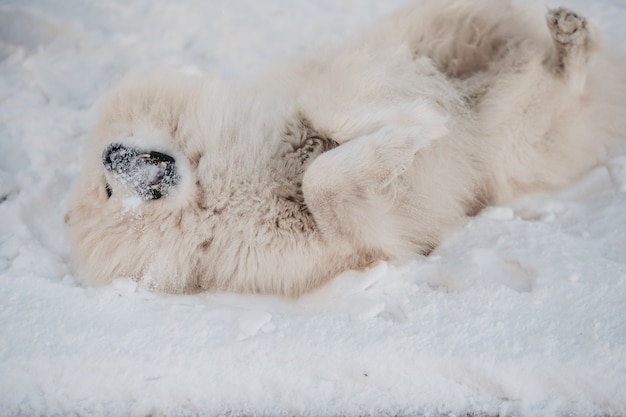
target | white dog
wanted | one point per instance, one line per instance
(370, 150)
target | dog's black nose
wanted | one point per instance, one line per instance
(150, 174)
(117, 157)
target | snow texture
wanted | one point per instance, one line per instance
(521, 312)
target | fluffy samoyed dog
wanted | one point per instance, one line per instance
(365, 151)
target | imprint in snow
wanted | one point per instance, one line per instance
(250, 322)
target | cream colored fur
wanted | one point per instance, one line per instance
(369, 150)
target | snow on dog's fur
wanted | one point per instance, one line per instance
(370, 150)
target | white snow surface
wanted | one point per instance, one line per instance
(521, 312)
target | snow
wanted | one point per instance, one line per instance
(519, 313)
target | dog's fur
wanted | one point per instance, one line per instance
(370, 150)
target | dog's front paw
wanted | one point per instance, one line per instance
(151, 175)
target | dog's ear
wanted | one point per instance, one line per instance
(305, 144)
(150, 174)
(306, 139)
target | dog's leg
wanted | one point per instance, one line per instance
(573, 40)
(351, 190)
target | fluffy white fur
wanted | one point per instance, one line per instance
(365, 151)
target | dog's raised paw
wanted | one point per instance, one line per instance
(566, 26)
(151, 175)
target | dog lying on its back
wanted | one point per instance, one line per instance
(371, 150)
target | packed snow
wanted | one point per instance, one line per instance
(521, 312)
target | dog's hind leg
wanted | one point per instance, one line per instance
(573, 40)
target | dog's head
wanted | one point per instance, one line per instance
(136, 186)
(186, 187)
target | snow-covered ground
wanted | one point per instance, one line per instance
(520, 312)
